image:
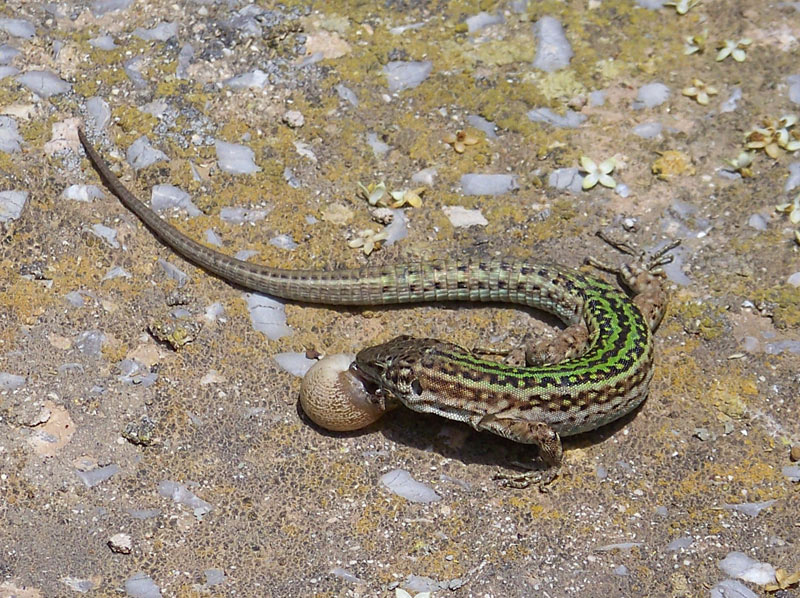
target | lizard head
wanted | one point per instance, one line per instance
(390, 368)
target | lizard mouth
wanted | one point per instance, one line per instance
(370, 386)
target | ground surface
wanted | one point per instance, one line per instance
(268, 504)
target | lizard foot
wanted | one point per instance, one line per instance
(541, 478)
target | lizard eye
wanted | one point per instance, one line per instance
(416, 387)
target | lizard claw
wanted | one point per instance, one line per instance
(541, 478)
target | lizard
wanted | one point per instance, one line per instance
(597, 370)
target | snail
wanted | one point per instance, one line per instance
(334, 398)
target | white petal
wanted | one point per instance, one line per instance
(607, 166)
(590, 180)
(607, 181)
(588, 164)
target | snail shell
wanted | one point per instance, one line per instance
(335, 398)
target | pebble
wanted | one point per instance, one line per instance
(140, 585)
(731, 103)
(346, 94)
(483, 19)
(235, 158)
(294, 118)
(793, 180)
(569, 120)
(168, 197)
(402, 75)
(597, 97)
(680, 543)
(120, 543)
(758, 222)
(488, 184)
(9, 135)
(99, 112)
(11, 381)
(553, 50)
(651, 95)
(462, 217)
(256, 79)
(11, 204)
(84, 193)
(794, 88)
(566, 178)
(103, 42)
(401, 482)
(295, 363)
(268, 315)
(730, 588)
(142, 154)
(480, 123)
(648, 130)
(98, 475)
(741, 566)
(44, 83)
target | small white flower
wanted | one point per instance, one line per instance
(785, 139)
(460, 140)
(741, 163)
(597, 173)
(401, 593)
(368, 240)
(407, 197)
(373, 193)
(377, 195)
(774, 136)
(792, 208)
(700, 91)
(695, 44)
(736, 49)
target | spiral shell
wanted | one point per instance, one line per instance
(335, 398)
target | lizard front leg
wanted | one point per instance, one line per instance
(525, 432)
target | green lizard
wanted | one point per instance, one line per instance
(595, 371)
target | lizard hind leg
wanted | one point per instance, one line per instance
(643, 276)
(567, 344)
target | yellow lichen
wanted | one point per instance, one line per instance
(672, 163)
